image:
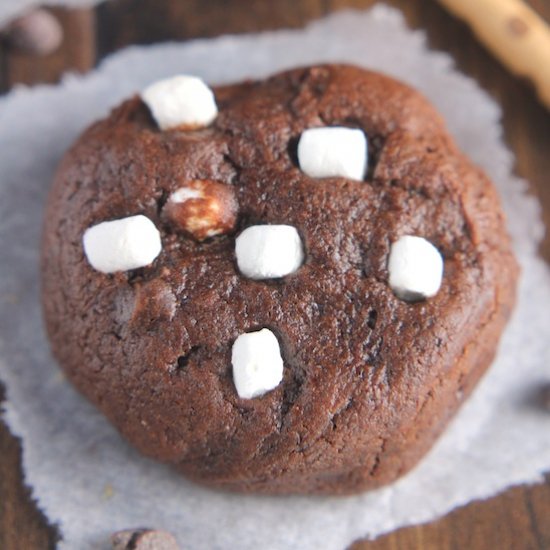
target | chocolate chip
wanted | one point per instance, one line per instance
(143, 539)
(37, 33)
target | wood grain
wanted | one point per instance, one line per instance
(146, 21)
(517, 519)
(22, 525)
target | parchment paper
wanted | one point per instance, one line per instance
(89, 482)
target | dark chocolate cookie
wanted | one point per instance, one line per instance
(372, 252)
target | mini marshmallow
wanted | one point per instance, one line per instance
(416, 268)
(257, 363)
(181, 101)
(120, 245)
(269, 251)
(333, 152)
(184, 194)
(202, 208)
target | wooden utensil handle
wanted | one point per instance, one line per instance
(516, 34)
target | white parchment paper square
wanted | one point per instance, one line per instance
(88, 481)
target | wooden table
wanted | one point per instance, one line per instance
(516, 519)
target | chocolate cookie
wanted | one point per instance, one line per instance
(286, 286)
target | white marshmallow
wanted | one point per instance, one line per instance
(416, 268)
(184, 194)
(269, 251)
(180, 101)
(333, 152)
(119, 245)
(257, 363)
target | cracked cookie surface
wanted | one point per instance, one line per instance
(369, 380)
